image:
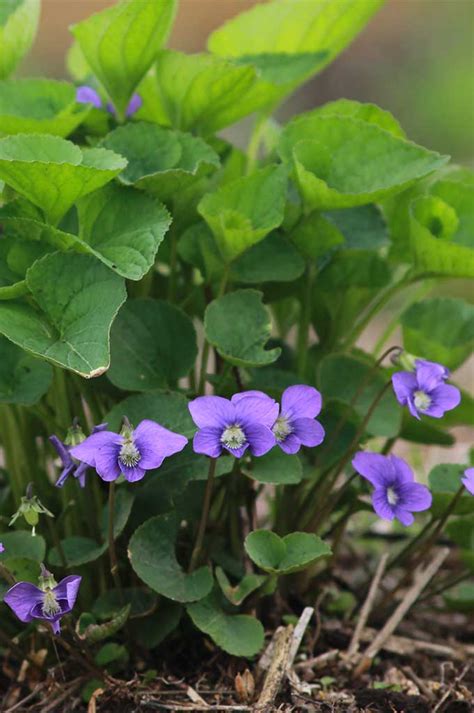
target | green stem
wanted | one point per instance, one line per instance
(206, 346)
(254, 143)
(172, 285)
(10, 292)
(304, 322)
(196, 553)
(114, 570)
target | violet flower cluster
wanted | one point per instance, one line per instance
(424, 390)
(88, 95)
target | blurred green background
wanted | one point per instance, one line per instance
(416, 58)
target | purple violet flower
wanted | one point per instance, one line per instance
(131, 452)
(468, 480)
(424, 390)
(2, 547)
(49, 601)
(88, 95)
(243, 422)
(71, 466)
(396, 494)
(296, 425)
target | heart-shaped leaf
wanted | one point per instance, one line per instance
(42, 106)
(276, 467)
(340, 162)
(78, 298)
(160, 161)
(243, 212)
(283, 555)
(242, 341)
(121, 42)
(23, 379)
(18, 25)
(54, 173)
(153, 344)
(152, 555)
(238, 634)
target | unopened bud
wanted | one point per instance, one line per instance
(245, 686)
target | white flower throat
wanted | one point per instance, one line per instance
(392, 496)
(50, 605)
(281, 428)
(233, 436)
(129, 454)
(422, 401)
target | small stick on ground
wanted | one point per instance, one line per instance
(421, 579)
(367, 606)
(277, 669)
(298, 633)
(318, 661)
(404, 646)
(451, 688)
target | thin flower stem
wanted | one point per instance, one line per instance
(304, 323)
(112, 552)
(206, 347)
(196, 554)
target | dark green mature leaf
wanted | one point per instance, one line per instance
(78, 299)
(54, 173)
(276, 467)
(238, 634)
(241, 342)
(440, 329)
(340, 162)
(284, 555)
(315, 235)
(77, 551)
(142, 602)
(124, 500)
(161, 161)
(363, 228)
(151, 631)
(153, 344)
(167, 408)
(123, 228)
(18, 25)
(23, 379)
(424, 432)
(340, 377)
(152, 556)
(243, 212)
(238, 593)
(39, 106)
(445, 482)
(121, 42)
(20, 543)
(273, 259)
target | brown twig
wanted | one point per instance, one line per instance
(277, 669)
(367, 606)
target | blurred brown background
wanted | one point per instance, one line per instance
(416, 58)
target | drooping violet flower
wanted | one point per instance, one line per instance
(87, 95)
(71, 466)
(48, 602)
(396, 493)
(131, 452)
(243, 422)
(424, 390)
(296, 425)
(468, 480)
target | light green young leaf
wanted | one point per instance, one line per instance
(69, 329)
(315, 235)
(241, 342)
(160, 161)
(370, 113)
(341, 162)
(18, 25)
(42, 106)
(121, 42)
(152, 555)
(440, 329)
(23, 379)
(238, 593)
(54, 173)
(153, 344)
(243, 212)
(276, 467)
(284, 555)
(238, 634)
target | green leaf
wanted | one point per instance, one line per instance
(124, 500)
(123, 228)
(386, 419)
(243, 212)
(168, 409)
(153, 344)
(363, 228)
(151, 631)
(238, 634)
(77, 551)
(460, 598)
(142, 602)
(273, 259)
(283, 555)
(111, 653)
(20, 543)
(283, 26)
(315, 235)
(445, 482)
(43, 106)
(422, 432)
(121, 42)
(152, 556)
(370, 113)
(22, 569)
(160, 161)
(89, 631)
(23, 379)
(238, 593)
(242, 341)
(70, 330)
(18, 25)
(440, 329)
(54, 173)
(351, 162)
(276, 467)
